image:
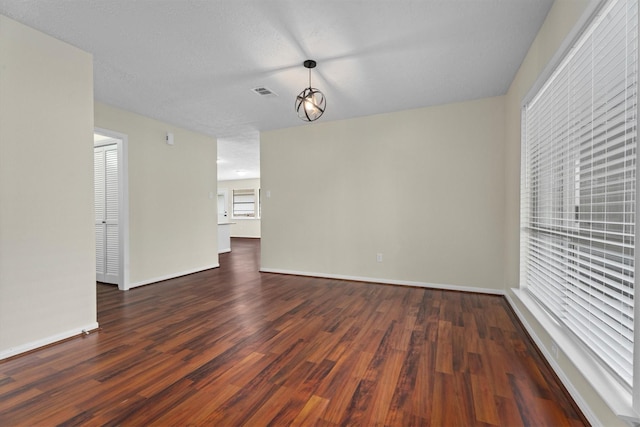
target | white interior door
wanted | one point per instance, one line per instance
(223, 216)
(106, 213)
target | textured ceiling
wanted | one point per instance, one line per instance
(194, 63)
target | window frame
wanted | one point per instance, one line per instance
(251, 196)
(612, 392)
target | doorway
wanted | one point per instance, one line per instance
(223, 214)
(105, 170)
(111, 208)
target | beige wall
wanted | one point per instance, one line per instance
(422, 187)
(241, 227)
(47, 243)
(172, 196)
(562, 19)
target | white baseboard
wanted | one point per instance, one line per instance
(387, 281)
(14, 351)
(172, 276)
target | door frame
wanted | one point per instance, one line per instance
(121, 141)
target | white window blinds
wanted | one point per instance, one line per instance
(244, 203)
(578, 188)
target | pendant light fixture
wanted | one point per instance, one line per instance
(310, 103)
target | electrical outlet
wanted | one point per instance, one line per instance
(379, 257)
(554, 349)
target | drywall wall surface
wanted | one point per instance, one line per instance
(414, 196)
(47, 243)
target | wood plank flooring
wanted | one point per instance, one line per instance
(231, 347)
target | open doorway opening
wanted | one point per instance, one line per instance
(111, 205)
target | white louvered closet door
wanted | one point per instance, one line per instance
(106, 213)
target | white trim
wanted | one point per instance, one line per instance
(610, 390)
(46, 341)
(122, 141)
(172, 276)
(386, 281)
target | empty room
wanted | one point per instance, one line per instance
(387, 212)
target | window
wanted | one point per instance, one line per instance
(578, 189)
(245, 203)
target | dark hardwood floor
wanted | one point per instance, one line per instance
(232, 346)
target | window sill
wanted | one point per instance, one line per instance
(616, 396)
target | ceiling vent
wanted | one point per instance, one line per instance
(263, 91)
